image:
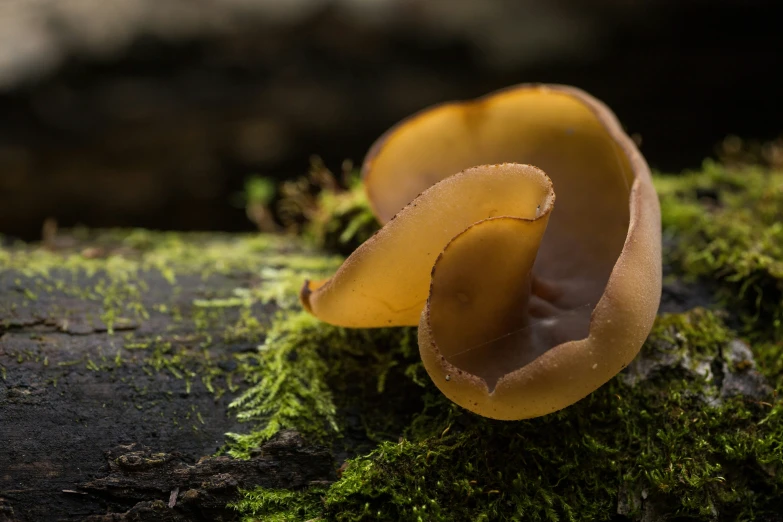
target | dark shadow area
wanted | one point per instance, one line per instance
(161, 129)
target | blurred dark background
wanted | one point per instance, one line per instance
(153, 112)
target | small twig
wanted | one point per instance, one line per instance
(173, 497)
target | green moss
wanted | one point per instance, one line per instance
(125, 278)
(667, 443)
(304, 363)
(278, 505)
(725, 226)
(662, 440)
(621, 444)
(289, 390)
(769, 356)
(333, 215)
(258, 191)
(343, 219)
(108, 272)
(706, 332)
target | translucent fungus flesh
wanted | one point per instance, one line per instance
(386, 281)
(522, 309)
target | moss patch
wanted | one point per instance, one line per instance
(663, 439)
(667, 438)
(276, 505)
(724, 226)
(208, 298)
(662, 447)
(328, 383)
(332, 214)
(343, 220)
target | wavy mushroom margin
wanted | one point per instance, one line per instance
(619, 323)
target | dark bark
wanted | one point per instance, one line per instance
(201, 491)
(70, 391)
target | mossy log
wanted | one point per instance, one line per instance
(119, 354)
(127, 356)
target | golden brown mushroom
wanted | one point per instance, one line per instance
(523, 308)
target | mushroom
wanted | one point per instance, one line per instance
(524, 307)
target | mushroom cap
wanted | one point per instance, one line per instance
(522, 309)
(386, 281)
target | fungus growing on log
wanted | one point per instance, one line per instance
(524, 306)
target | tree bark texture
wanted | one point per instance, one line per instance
(102, 406)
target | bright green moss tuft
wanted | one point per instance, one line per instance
(725, 226)
(343, 221)
(302, 366)
(279, 505)
(289, 390)
(333, 215)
